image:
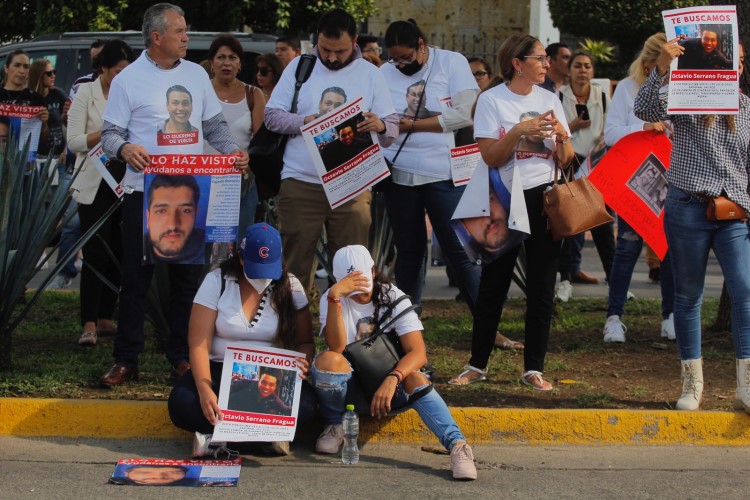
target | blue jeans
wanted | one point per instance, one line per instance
(335, 390)
(70, 232)
(248, 204)
(406, 207)
(691, 236)
(629, 246)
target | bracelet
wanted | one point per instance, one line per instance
(558, 141)
(398, 373)
(398, 381)
(332, 300)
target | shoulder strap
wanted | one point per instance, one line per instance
(223, 281)
(304, 70)
(560, 94)
(604, 102)
(382, 325)
(250, 97)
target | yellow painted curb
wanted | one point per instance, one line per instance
(149, 419)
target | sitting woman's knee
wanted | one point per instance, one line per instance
(332, 361)
(415, 380)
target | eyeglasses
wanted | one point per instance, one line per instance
(403, 60)
(480, 74)
(541, 58)
(51, 73)
(264, 70)
(377, 50)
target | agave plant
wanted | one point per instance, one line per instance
(29, 215)
(600, 51)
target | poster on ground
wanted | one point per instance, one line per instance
(25, 125)
(189, 202)
(348, 162)
(167, 472)
(491, 216)
(705, 78)
(632, 180)
(259, 396)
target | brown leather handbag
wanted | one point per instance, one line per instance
(722, 208)
(573, 207)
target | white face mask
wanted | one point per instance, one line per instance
(260, 285)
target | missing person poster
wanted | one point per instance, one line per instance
(491, 216)
(705, 78)
(259, 396)
(632, 179)
(25, 125)
(166, 472)
(464, 155)
(348, 162)
(101, 160)
(189, 202)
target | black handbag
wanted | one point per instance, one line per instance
(266, 148)
(374, 357)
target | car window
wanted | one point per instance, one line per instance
(50, 55)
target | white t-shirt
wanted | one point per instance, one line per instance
(358, 79)
(499, 110)
(359, 320)
(240, 122)
(231, 323)
(138, 102)
(446, 73)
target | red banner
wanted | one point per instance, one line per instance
(19, 111)
(631, 179)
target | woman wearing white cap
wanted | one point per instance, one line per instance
(348, 310)
(259, 303)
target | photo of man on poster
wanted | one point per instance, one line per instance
(260, 395)
(704, 52)
(348, 144)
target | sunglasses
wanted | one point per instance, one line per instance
(264, 70)
(51, 73)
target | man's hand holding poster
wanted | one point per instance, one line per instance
(491, 216)
(25, 124)
(705, 78)
(631, 177)
(189, 201)
(259, 396)
(348, 161)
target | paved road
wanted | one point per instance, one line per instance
(54, 468)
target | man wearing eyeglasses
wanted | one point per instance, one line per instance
(368, 44)
(558, 56)
(339, 76)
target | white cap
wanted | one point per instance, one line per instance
(353, 258)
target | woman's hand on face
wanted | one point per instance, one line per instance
(381, 401)
(210, 405)
(304, 366)
(669, 51)
(352, 282)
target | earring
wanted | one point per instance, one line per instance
(519, 73)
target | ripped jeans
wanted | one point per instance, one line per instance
(335, 390)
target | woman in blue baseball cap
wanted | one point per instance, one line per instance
(252, 299)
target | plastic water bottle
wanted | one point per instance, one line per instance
(350, 452)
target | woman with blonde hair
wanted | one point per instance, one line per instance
(622, 121)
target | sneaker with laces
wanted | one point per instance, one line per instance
(462, 462)
(204, 446)
(330, 439)
(614, 330)
(87, 338)
(563, 291)
(667, 328)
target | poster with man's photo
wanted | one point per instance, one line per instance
(348, 161)
(168, 472)
(705, 78)
(259, 396)
(23, 122)
(189, 202)
(491, 216)
(632, 180)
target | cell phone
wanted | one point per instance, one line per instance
(581, 108)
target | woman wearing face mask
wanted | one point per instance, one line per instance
(436, 91)
(251, 301)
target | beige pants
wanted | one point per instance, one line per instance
(303, 211)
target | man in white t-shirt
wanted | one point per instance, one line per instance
(135, 114)
(302, 205)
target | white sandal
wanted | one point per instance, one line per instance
(482, 376)
(533, 379)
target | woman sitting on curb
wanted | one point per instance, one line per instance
(347, 310)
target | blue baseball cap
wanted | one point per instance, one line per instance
(261, 252)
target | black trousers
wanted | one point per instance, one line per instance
(103, 253)
(542, 258)
(136, 281)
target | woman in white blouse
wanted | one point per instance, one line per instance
(95, 197)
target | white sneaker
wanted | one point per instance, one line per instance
(78, 264)
(330, 439)
(462, 462)
(614, 330)
(630, 295)
(321, 274)
(667, 328)
(203, 446)
(60, 282)
(564, 291)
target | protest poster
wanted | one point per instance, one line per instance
(259, 395)
(348, 162)
(464, 155)
(189, 202)
(632, 180)
(491, 216)
(705, 78)
(167, 472)
(100, 159)
(25, 125)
